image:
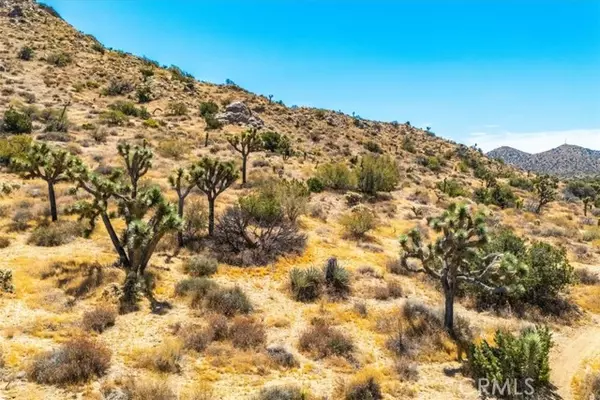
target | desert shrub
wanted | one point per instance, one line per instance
(367, 389)
(16, 122)
(336, 176)
(208, 108)
(164, 358)
(306, 284)
(521, 183)
(373, 147)
(228, 301)
(315, 185)
(126, 107)
(13, 147)
(99, 319)
(177, 108)
(589, 388)
(6, 281)
(172, 148)
(212, 122)
(118, 87)
(257, 230)
(587, 277)
(76, 361)
(406, 369)
(96, 46)
(521, 360)
(200, 266)
(246, 333)
(56, 121)
(377, 174)
(20, 220)
(195, 287)
(451, 187)
(49, 9)
(337, 278)
(25, 53)
(358, 222)
(55, 234)
(141, 389)
(59, 59)
(282, 393)
(293, 197)
(271, 140)
(219, 327)
(150, 123)
(4, 242)
(499, 195)
(323, 340)
(143, 94)
(195, 221)
(282, 357)
(195, 337)
(99, 134)
(113, 118)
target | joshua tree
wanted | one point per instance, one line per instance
(146, 213)
(456, 258)
(545, 187)
(587, 192)
(50, 165)
(183, 181)
(213, 177)
(246, 143)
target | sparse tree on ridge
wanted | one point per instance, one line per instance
(183, 181)
(50, 165)
(245, 143)
(213, 177)
(545, 187)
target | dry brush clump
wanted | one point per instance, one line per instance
(308, 284)
(198, 266)
(165, 357)
(99, 319)
(77, 361)
(323, 340)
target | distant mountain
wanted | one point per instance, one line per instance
(566, 161)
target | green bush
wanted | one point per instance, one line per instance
(196, 288)
(118, 87)
(433, 163)
(377, 174)
(358, 222)
(373, 147)
(114, 118)
(521, 360)
(451, 187)
(13, 146)
(306, 284)
(315, 185)
(336, 176)
(521, 183)
(200, 266)
(177, 108)
(271, 140)
(55, 234)
(293, 196)
(208, 108)
(60, 59)
(6, 281)
(143, 94)
(126, 107)
(16, 122)
(499, 195)
(25, 53)
(211, 122)
(228, 301)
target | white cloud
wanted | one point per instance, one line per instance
(535, 142)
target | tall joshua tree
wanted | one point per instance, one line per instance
(213, 177)
(183, 181)
(545, 187)
(456, 258)
(50, 165)
(245, 143)
(146, 213)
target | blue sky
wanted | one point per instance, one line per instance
(522, 73)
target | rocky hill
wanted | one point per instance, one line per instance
(59, 286)
(565, 161)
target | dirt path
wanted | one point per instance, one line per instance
(570, 351)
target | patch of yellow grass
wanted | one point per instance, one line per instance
(587, 297)
(579, 383)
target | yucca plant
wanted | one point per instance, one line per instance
(306, 284)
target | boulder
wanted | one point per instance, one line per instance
(239, 113)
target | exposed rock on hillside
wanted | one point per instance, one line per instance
(239, 113)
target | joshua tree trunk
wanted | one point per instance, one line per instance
(449, 293)
(211, 216)
(180, 205)
(52, 199)
(124, 260)
(206, 139)
(244, 162)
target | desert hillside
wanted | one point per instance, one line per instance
(300, 289)
(566, 161)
